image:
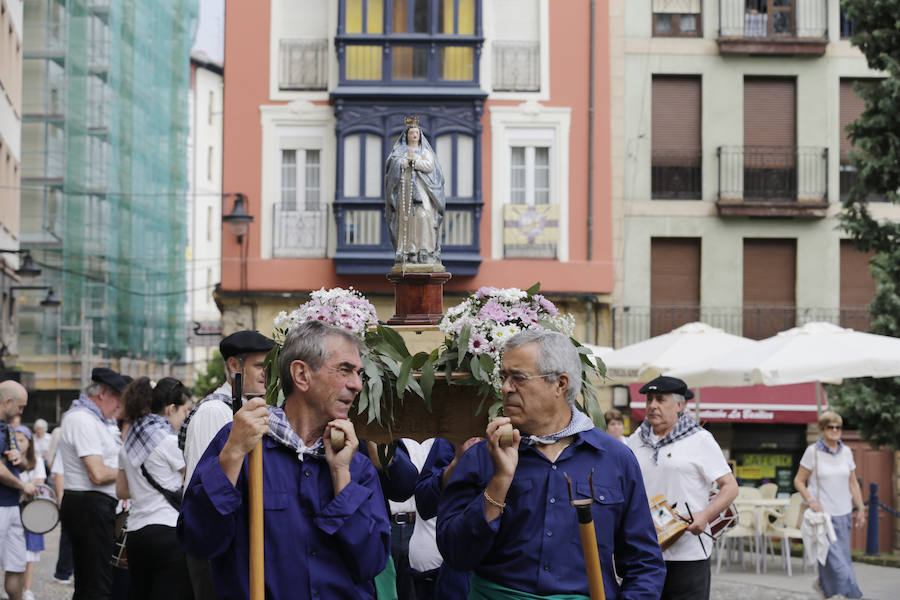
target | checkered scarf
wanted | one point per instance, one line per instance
(578, 423)
(85, 403)
(684, 427)
(282, 432)
(821, 445)
(144, 435)
(223, 393)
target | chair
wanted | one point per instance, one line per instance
(785, 528)
(745, 528)
(768, 490)
(748, 492)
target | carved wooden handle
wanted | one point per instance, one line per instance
(506, 435)
(337, 439)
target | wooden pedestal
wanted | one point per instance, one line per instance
(418, 298)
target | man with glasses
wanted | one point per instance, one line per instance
(327, 533)
(681, 460)
(243, 352)
(505, 512)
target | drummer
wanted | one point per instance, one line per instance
(13, 398)
(681, 460)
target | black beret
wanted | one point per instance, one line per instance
(667, 385)
(245, 342)
(109, 378)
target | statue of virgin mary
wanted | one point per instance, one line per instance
(414, 201)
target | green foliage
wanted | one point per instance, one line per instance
(211, 378)
(871, 404)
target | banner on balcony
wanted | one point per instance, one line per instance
(751, 404)
(530, 231)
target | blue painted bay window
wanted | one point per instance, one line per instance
(365, 134)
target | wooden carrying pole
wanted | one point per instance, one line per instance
(254, 477)
(588, 540)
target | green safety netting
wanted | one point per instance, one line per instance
(104, 171)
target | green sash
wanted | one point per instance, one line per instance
(484, 589)
(386, 582)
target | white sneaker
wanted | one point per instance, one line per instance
(3, 595)
(63, 581)
(28, 595)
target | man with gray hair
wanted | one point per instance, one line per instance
(326, 528)
(505, 512)
(89, 447)
(13, 398)
(681, 460)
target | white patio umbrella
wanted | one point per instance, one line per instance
(815, 352)
(691, 344)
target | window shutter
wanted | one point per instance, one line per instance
(770, 112)
(770, 276)
(674, 283)
(851, 108)
(676, 113)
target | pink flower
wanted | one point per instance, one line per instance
(545, 304)
(478, 344)
(494, 311)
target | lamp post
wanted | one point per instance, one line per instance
(27, 268)
(238, 220)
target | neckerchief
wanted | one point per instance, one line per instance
(683, 428)
(821, 445)
(282, 432)
(144, 435)
(223, 393)
(578, 423)
(85, 403)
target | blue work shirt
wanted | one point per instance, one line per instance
(399, 481)
(535, 545)
(317, 545)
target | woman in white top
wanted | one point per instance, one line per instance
(34, 472)
(827, 481)
(151, 473)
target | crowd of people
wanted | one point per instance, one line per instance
(484, 520)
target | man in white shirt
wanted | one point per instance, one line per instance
(89, 448)
(681, 460)
(243, 352)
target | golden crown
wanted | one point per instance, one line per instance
(412, 121)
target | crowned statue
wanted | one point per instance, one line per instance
(414, 202)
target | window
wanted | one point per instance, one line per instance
(530, 217)
(674, 283)
(770, 139)
(209, 223)
(676, 155)
(677, 18)
(516, 48)
(456, 155)
(382, 40)
(363, 166)
(307, 180)
(299, 46)
(770, 280)
(299, 223)
(210, 107)
(210, 165)
(851, 107)
(857, 286)
(530, 175)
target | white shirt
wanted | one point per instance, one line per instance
(38, 472)
(206, 422)
(424, 555)
(685, 473)
(829, 480)
(85, 435)
(148, 506)
(41, 446)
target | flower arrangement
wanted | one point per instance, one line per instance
(475, 332)
(477, 329)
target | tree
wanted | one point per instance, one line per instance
(872, 403)
(211, 378)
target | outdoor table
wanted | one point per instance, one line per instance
(758, 504)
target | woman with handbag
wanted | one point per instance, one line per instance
(151, 473)
(827, 481)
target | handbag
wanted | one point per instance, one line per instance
(172, 497)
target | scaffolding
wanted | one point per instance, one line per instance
(104, 181)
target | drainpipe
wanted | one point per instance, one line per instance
(590, 190)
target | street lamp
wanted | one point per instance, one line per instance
(27, 268)
(238, 220)
(49, 301)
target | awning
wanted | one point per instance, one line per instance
(752, 404)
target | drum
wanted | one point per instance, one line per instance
(41, 513)
(669, 526)
(723, 521)
(119, 556)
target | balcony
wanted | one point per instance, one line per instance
(632, 324)
(774, 27)
(303, 65)
(364, 245)
(772, 181)
(517, 66)
(676, 174)
(299, 233)
(848, 177)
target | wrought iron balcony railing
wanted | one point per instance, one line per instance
(676, 174)
(299, 233)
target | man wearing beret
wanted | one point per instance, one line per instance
(89, 447)
(681, 460)
(244, 352)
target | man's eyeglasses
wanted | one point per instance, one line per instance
(834, 427)
(517, 379)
